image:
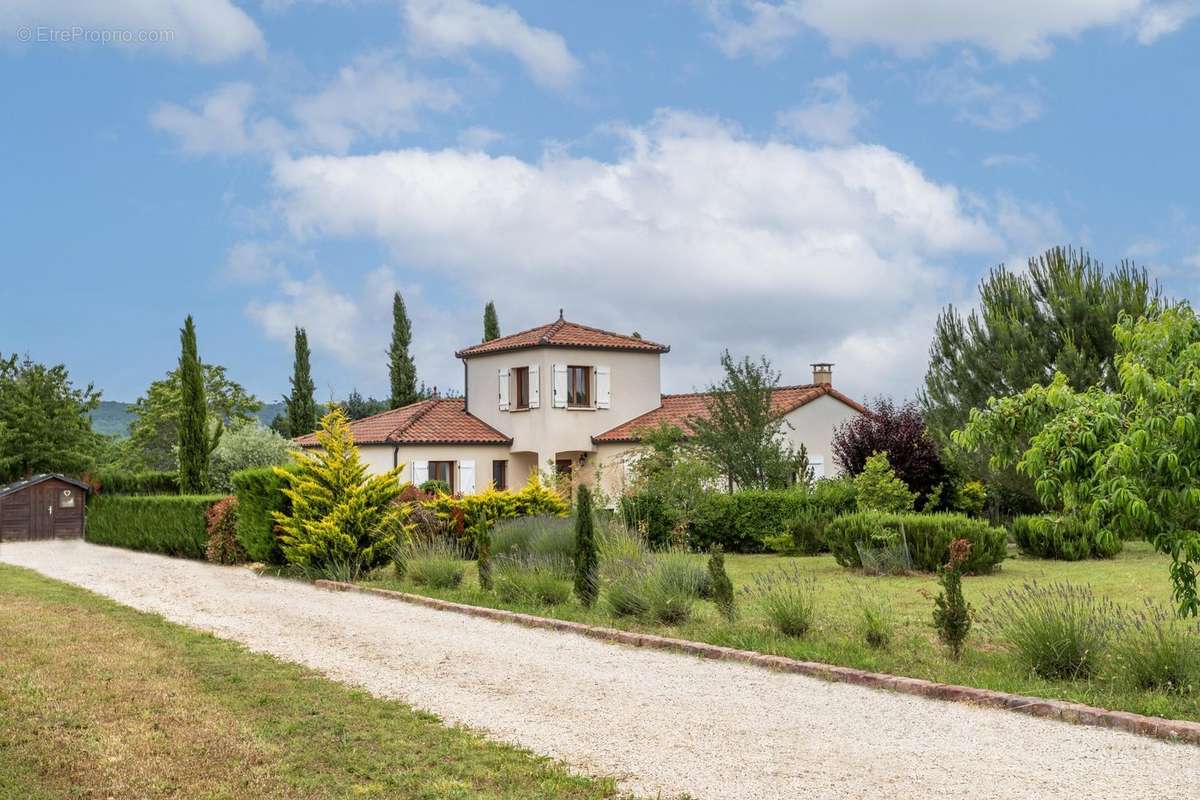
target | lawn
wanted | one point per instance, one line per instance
(1136, 574)
(98, 700)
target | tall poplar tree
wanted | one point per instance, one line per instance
(1056, 317)
(301, 406)
(195, 444)
(491, 323)
(401, 367)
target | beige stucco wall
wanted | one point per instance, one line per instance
(636, 388)
(813, 425)
(379, 459)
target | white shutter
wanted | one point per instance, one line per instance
(603, 388)
(504, 390)
(466, 477)
(817, 465)
(535, 387)
(560, 385)
(420, 472)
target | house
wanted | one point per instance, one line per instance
(566, 395)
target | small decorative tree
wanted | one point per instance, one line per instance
(341, 519)
(722, 587)
(878, 488)
(900, 432)
(195, 443)
(951, 614)
(587, 560)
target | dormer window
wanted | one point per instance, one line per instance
(521, 381)
(579, 387)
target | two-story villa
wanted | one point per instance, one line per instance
(566, 397)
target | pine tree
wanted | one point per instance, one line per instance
(491, 323)
(195, 445)
(722, 587)
(587, 560)
(301, 407)
(402, 369)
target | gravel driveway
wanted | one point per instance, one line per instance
(661, 723)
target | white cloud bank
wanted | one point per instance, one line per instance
(830, 114)
(695, 235)
(456, 27)
(1013, 29)
(199, 30)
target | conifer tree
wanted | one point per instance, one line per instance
(402, 370)
(195, 444)
(301, 406)
(491, 323)
(722, 587)
(587, 559)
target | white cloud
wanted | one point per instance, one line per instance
(257, 262)
(454, 27)
(695, 234)
(1013, 30)
(221, 123)
(479, 137)
(830, 114)
(200, 30)
(978, 102)
(375, 97)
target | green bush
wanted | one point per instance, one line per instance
(928, 537)
(834, 496)
(534, 580)
(435, 486)
(111, 481)
(247, 446)
(1157, 651)
(171, 525)
(1063, 538)
(741, 522)
(436, 564)
(260, 494)
(1058, 630)
(879, 489)
(649, 514)
(788, 600)
(223, 546)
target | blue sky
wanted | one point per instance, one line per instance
(801, 179)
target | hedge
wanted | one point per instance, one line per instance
(928, 536)
(259, 492)
(1063, 538)
(172, 525)
(743, 521)
(149, 482)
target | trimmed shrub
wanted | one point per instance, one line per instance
(928, 537)
(149, 482)
(260, 495)
(788, 600)
(587, 558)
(722, 587)
(223, 546)
(436, 563)
(1157, 651)
(171, 525)
(1058, 630)
(1063, 538)
(740, 522)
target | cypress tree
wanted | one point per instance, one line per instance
(194, 443)
(401, 367)
(491, 323)
(587, 560)
(301, 407)
(722, 587)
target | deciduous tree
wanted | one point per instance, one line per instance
(898, 431)
(44, 423)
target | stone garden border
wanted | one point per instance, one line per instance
(1170, 730)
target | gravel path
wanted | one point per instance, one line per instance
(661, 723)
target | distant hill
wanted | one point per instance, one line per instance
(112, 419)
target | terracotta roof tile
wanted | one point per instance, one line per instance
(678, 409)
(562, 333)
(435, 421)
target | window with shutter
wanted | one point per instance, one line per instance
(560, 386)
(466, 477)
(535, 386)
(521, 381)
(420, 472)
(504, 390)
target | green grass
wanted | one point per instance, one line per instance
(914, 651)
(98, 700)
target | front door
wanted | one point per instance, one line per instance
(562, 466)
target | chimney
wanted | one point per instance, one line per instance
(823, 373)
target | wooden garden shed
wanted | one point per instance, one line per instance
(42, 507)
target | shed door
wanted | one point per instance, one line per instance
(41, 513)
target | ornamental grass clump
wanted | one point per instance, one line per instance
(951, 614)
(787, 598)
(530, 579)
(874, 619)
(1058, 630)
(434, 563)
(683, 572)
(625, 591)
(1156, 651)
(537, 535)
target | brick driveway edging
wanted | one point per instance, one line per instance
(1156, 727)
